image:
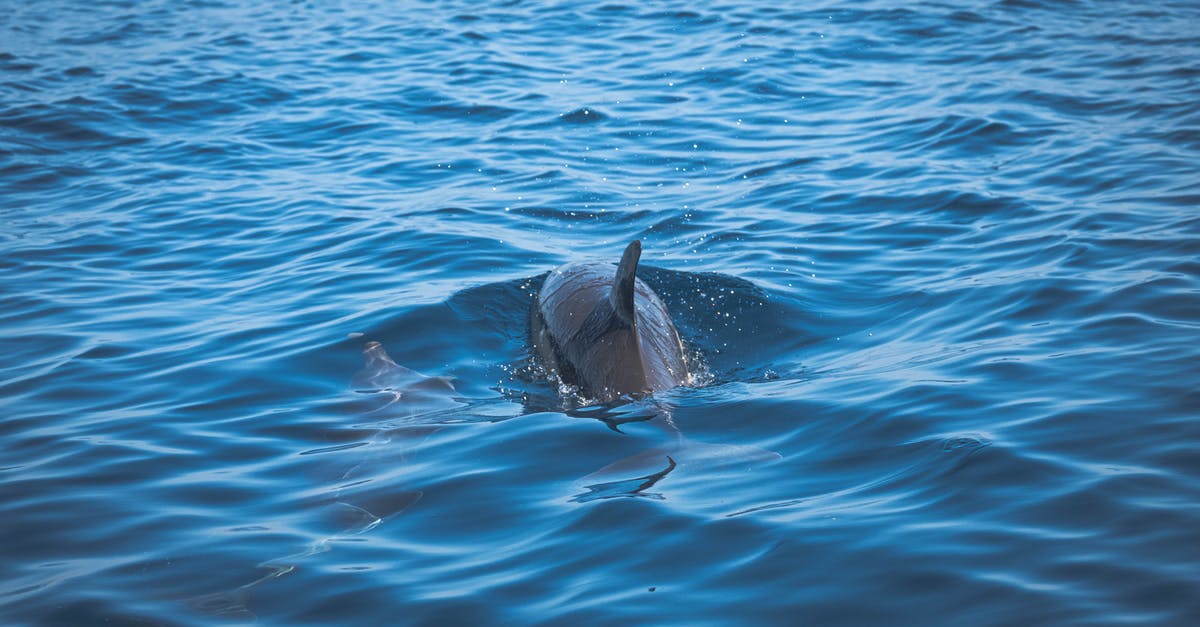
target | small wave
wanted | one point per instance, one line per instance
(583, 116)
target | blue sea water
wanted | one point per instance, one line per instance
(937, 266)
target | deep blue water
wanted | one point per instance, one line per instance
(937, 265)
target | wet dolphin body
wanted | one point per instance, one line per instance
(604, 330)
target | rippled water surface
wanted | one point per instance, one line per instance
(937, 266)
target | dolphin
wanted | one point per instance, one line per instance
(407, 391)
(381, 372)
(606, 332)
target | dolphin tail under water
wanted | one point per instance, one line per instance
(635, 474)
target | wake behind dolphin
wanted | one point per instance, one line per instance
(606, 332)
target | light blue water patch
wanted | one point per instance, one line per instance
(935, 268)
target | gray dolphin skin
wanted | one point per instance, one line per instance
(605, 331)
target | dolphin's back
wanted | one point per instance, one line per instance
(606, 331)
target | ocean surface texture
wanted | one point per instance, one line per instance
(936, 266)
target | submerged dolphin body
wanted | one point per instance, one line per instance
(605, 331)
(409, 392)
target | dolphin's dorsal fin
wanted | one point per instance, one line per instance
(622, 287)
